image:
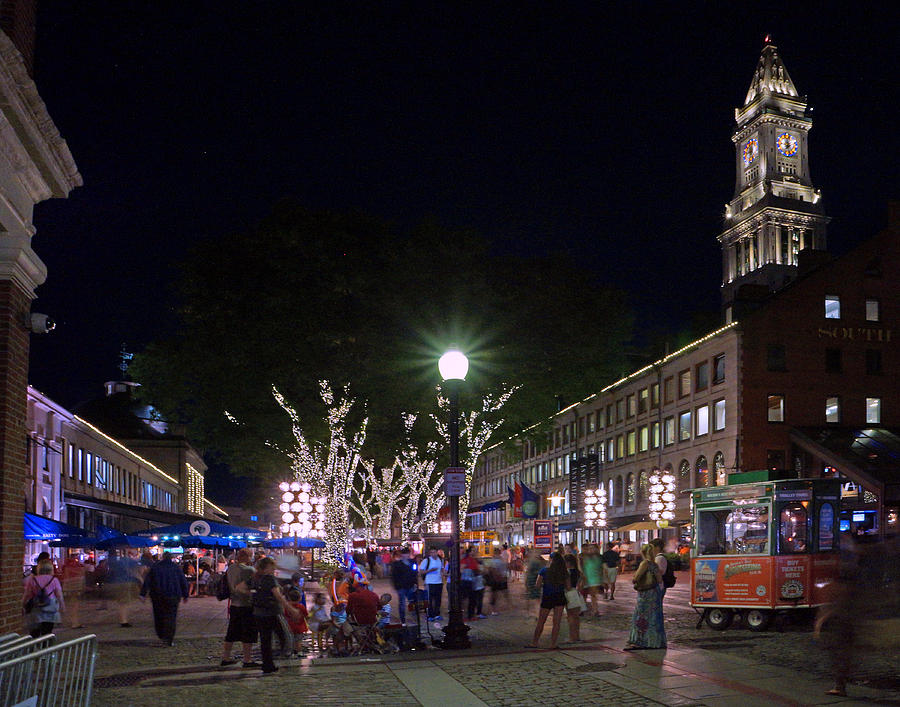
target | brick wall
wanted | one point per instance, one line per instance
(14, 302)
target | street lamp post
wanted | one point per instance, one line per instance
(453, 366)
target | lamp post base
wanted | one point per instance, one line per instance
(455, 635)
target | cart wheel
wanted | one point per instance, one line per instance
(757, 619)
(719, 619)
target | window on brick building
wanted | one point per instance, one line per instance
(702, 373)
(644, 438)
(775, 406)
(654, 395)
(719, 415)
(631, 402)
(873, 362)
(643, 399)
(832, 360)
(631, 442)
(832, 307)
(620, 409)
(775, 358)
(684, 383)
(670, 430)
(684, 425)
(719, 368)
(873, 310)
(669, 389)
(702, 420)
(873, 411)
(654, 435)
(832, 409)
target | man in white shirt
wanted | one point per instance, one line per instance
(431, 569)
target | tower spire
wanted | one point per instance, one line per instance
(770, 77)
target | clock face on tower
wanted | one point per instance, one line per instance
(751, 151)
(787, 144)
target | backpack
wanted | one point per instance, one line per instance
(403, 576)
(42, 598)
(223, 589)
(668, 577)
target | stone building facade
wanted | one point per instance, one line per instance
(35, 165)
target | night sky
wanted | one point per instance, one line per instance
(600, 130)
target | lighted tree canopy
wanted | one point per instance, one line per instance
(308, 296)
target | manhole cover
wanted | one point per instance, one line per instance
(597, 667)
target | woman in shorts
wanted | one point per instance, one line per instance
(553, 581)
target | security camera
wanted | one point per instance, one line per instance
(39, 323)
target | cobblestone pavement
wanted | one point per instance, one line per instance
(134, 668)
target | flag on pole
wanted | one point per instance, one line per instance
(530, 502)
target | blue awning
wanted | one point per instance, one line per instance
(495, 506)
(204, 528)
(40, 528)
(294, 542)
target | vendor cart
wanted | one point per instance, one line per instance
(763, 546)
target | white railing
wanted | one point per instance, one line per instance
(61, 674)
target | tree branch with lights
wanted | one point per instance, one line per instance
(475, 430)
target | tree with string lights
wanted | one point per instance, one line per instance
(329, 468)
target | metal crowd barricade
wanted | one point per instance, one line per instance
(23, 645)
(61, 674)
(7, 637)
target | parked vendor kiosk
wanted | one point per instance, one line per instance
(763, 546)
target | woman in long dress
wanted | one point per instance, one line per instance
(647, 629)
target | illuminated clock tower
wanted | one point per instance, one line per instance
(775, 212)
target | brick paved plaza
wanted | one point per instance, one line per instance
(700, 667)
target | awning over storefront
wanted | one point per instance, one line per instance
(642, 525)
(869, 456)
(40, 528)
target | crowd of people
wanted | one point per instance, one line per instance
(346, 616)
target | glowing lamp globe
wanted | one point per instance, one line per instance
(453, 365)
(284, 486)
(287, 497)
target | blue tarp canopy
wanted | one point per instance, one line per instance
(294, 542)
(40, 528)
(204, 528)
(108, 537)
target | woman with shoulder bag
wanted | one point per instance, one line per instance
(647, 629)
(574, 601)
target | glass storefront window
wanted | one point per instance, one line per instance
(738, 531)
(792, 529)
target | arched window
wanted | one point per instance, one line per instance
(611, 493)
(629, 488)
(566, 503)
(684, 475)
(642, 486)
(721, 475)
(702, 475)
(619, 495)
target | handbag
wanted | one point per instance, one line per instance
(647, 581)
(574, 600)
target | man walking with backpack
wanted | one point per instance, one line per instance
(665, 567)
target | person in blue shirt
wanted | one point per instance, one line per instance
(166, 585)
